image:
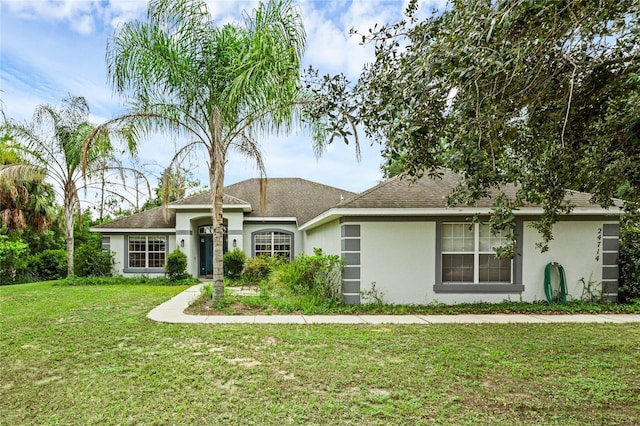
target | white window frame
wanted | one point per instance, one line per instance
(476, 256)
(272, 252)
(146, 251)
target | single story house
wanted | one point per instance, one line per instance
(399, 239)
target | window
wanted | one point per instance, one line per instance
(468, 255)
(272, 243)
(147, 251)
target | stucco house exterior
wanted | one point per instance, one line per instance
(398, 238)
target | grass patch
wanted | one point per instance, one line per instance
(82, 355)
(120, 280)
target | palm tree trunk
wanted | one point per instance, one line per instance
(68, 232)
(216, 180)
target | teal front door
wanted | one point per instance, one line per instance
(206, 255)
(206, 249)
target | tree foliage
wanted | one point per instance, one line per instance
(541, 94)
(51, 145)
(11, 257)
(220, 86)
(26, 201)
(175, 183)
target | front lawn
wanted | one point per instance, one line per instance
(88, 355)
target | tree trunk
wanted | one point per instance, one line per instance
(216, 181)
(68, 232)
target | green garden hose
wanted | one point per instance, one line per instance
(555, 295)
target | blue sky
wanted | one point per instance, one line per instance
(49, 49)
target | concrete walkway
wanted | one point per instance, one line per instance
(172, 311)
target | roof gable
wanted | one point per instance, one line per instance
(289, 197)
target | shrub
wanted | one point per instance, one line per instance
(259, 268)
(297, 275)
(318, 275)
(92, 260)
(49, 265)
(233, 262)
(629, 259)
(176, 267)
(12, 258)
(328, 276)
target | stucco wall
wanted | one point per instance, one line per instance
(326, 237)
(399, 257)
(575, 246)
(117, 246)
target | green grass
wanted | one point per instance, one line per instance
(82, 355)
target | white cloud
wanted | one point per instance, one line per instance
(77, 14)
(120, 11)
(330, 48)
(49, 49)
(83, 24)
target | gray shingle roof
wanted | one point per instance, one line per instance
(148, 219)
(289, 197)
(431, 192)
(286, 197)
(155, 218)
(304, 200)
(204, 198)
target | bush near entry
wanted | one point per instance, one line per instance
(233, 263)
(176, 267)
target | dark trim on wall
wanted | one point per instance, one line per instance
(350, 253)
(106, 243)
(611, 230)
(464, 218)
(268, 222)
(184, 232)
(610, 267)
(360, 219)
(478, 288)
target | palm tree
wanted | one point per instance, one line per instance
(52, 145)
(222, 87)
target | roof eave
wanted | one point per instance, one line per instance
(133, 230)
(338, 212)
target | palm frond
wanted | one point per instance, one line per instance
(10, 174)
(249, 147)
(269, 70)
